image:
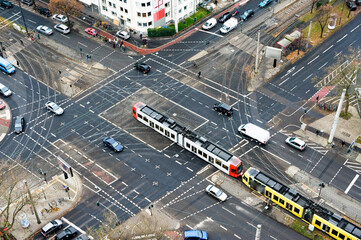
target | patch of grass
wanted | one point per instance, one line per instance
(344, 116)
(301, 228)
(358, 140)
(200, 14)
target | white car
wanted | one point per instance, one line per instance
(209, 24)
(53, 107)
(61, 18)
(44, 30)
(216, 192)
(296, 143)
(62, 28)
(123, 34)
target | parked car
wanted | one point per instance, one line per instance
(195, 235)
(53, 107)
(264, 3)
(62, 28)
(6, 66)
(5, 91)
(19, 125)
(44, 11)
(51, 227)
(91, 31)
(296, 143)
(2, 105)
(223, 108)
(229, 25)
(5, 4)
(351, 5)
(225, 17)
(28, 2)
(123, 34)
(111, 143)
(60, 18)
(44, 30)
(247, 14)
(145, 68)
(216, 192)
(209, 24)
(67, 233)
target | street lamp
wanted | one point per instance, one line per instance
(22, 14)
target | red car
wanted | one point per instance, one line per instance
(2, 105)
(91, 31)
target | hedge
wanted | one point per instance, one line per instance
(160, 32)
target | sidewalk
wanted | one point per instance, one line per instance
(45, 197)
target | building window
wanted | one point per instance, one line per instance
(144, 24)
(114, 13)
(125, 1)
(110, 4)
(139, 24)
(128, 20)
(125, 10)
(114, 6)
(139, 14)
(103, 1)
(121, 9)
(180, 10)
(143, 4)
(105, 8)
(166, 4)
(149, 14)
(185, 7)
(167, 14)
(144, 15)
(148, 3)
(188, 145)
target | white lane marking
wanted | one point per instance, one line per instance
(65, 36)
(178, 162)
(229, 211)
(313, 60)
(275, 155)
(237, 236)
(211, 33)
(342, 38)
(335, 175)
(298, 71)
(308, 77)
(29, 20)
(328, 48)
(338, 54)
(322, 66)
(293, 88)
(189, 226)
(72, 224)
(147, 199)
(272, 237)
(283, 82)
(82, 44)
(351, 183)
(189, 169)
(223, 227)
(355, 28)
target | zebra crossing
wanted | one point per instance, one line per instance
(356, 166)
(317, 147)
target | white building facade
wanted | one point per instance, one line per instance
(143, 14)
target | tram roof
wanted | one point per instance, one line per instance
(201, 141)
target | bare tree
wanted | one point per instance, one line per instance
(70, 8)
(13, 196)
(313, 2)
(323, 16)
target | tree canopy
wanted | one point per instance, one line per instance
(70, 8)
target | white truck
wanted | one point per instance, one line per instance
(229, 25)
(253, 131)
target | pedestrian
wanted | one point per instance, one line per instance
(141, 36)
(317, 97)
(332, 144)
(1, 54)
(123, 48)
(199, 75)
(317, 132)
(215, 2)
(17, 63)
(113, 44)
(22, 43)
(195, 65)
(342, 143)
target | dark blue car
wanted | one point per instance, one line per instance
(264, 3)
(110, 142)
(195, 235)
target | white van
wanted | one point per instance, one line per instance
(229, 25)
(5, 90)
(258, 134)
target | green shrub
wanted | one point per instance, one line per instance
(161, 32)
(321, 2)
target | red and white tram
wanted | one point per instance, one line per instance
(187, 139)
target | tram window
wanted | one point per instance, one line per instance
(275, 198)
(194, 149)
(334, 232)
(161, 129)
(289, 206)
(268, 194)
(318, 223)
(151, 124)
(140, 116)
(157, 126)
(166, 133)
(188, 145)
(225, 167)
(296, 210)
(145, 119)
(200, 152)
(282, 201)
(211, 159)
(245, 178)
(340, 235)
(172, 136)
(233, 171)
(205, 155)
(218, 162)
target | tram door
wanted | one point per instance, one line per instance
(180, 140)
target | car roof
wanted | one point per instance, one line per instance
(193, 233)
(299, 141)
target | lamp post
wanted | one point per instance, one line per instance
(22, 14)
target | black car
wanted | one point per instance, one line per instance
(44, 11)
(19, 125)
(5, 4)
(142, 67)
(223, 108)
(225, 17)
(351, 5)
(68, 233)
(247, 14)
(28, 2)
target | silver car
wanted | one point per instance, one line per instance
(296, 143)
(123, 34)
(44, 30)
(62, 28)
(53, 107)
(61, 18)
(216, 192)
